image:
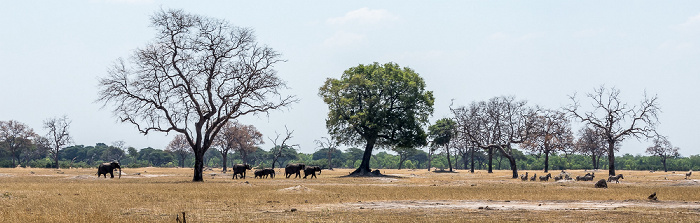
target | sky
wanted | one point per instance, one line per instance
(52, 54)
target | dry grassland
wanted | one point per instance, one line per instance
(160, 194)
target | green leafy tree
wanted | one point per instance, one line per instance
(443, 132)
(378, 105)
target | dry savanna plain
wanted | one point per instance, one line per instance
(163, 194)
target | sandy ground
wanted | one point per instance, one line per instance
(509, 205)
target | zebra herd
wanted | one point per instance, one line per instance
(567, 176)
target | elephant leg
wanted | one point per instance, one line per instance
(111, 175)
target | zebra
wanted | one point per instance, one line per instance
(615, 178)
(524, 177)
(587, 177)
(546, 178)
(687, 175)
(534, 177)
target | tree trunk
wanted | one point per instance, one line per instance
(449, 163)
(513, 165)
(663, 161)
(329, 159)
(198, 166)
(611, 158)
(546, 161)
(223, 156)
(465, 159)
(430, 158)
(364, 166)
(472, 150)
(595, 163)
(490, 151)
(55, 158)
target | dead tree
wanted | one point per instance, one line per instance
(616, 120)
(198, 74)
(331, 145)
(496, 124)
(58, 135)
(551, 132)
(663, 149)
(276, 151)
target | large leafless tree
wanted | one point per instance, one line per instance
(194, 77)
(662, 148)
(15, 138)
(331, 145)
(239, 138)
(616, 120)
(550, 133)
(591, 143)
(496, 124)
(58, 135)
(279, 146)
(180, 148)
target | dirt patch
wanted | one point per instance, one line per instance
(298, 189)
(82, 177)
(509, 205)
(687, 183)
(6, 175)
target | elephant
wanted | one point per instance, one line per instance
(293, 169)
(239, 169)
(311, 170)
(268, 172)
(105, 168)
(264, 173)
(258, 173)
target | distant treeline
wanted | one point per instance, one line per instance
(91, 156)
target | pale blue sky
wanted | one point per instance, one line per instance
(52, 53)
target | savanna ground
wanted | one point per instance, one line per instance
(160, 194)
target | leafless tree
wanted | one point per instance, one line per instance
(15, 137)
(194, 77)
(615, 119)
(39, 149)
(496, 124)
(276, 151)
(663, 149)
(331, 145)
(180, 148)
(58, 135)
(240, 138)
(591, 142)
(550, 133)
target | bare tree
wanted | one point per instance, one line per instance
(58, 135)
(550, 133)
(591, 143)
(15, 137)
(663, 149)
(39, 149)
(180, 148)
(276, 151)
(331, 145)
(195, 76)
(240, 138)
(616, 120)
(496, 124)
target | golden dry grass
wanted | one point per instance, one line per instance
(159, 194)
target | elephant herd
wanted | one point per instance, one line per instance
(239, 170)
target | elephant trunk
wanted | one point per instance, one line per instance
(120, 173)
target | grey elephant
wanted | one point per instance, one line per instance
(293, 169)
(239, 169)
(311, 170)
(105, 168)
